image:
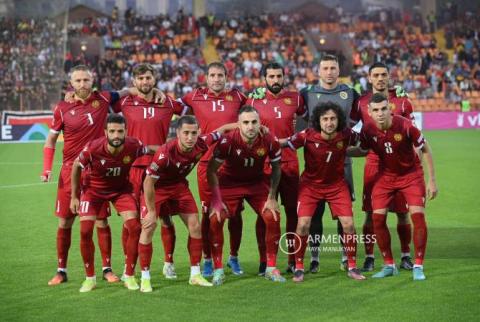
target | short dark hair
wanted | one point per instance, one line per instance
(217, 64)
(115, 118)
(247, 109)
(329, 57)
(186, 119)
(271, 65)
(377, 98)
(378, 64)
(323, 108)
(83, 68)
(141, 69)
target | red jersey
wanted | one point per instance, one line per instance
(395, 146)
(214, 111)
(80, 122)
(244, 164)
(278, 113)
(398, 105)
(147, 121)
(324, 159)
(108, 174)
(170, 165)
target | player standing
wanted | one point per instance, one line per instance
(325, 146)
(242, 153)
(108, 161)
(213, 107)
(149, 122)
(278, 111)
(378, 76)
(394, 139)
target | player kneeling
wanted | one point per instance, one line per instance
(166, 183)
(325, 147)
(243, 153)
(108, 161)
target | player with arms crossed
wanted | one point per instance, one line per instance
(278, 111)
(378, 76)
(243, 153)
(149, 121)
(108, 161)
(394, 139)
(166, 182)
(323, 180)
(213, 107)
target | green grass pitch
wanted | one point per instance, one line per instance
(27, 243)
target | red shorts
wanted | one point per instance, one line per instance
(64, 193)
(370, 176)
(411, 185)
(178, 197)
(337, 195)
(255, 194)
(92, 204)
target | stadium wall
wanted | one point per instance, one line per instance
(33, 126)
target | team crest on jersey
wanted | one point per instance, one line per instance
(95, 104)
(391, 106)
(229, 98)
(340, 145)
(397, 137)
(127, 159)
(261, 152)
(343, 95)
(288, 101)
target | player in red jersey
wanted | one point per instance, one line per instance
(278, 111)
(323, 180)
(379, 78)
(242, 153)
(394, 139)
(80, 121)
(107, 161)
(166, 182)
(149, 122)
(213, 107)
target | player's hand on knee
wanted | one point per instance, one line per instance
(74, 205)
(69, 97)
(220, 211)
(46, 176)
(432, 190)
(272, 205)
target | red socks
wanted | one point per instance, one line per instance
(272, 237)
(195, 250)
(145, 254)
(300, 254)
(368, 237)
(105, 244)
(216, 241)
(168, 241)
(350, 247)
(420, 234)
(235, 227)
(64, 238)
(134, 229)
(87, 247)
(124, 239)
(383, 237)
(405, 234)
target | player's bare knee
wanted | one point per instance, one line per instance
(101, 223)
(149, 225)
(65, 223)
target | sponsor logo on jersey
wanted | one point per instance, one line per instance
(261, 152)
(95, 104)
(71, 112)
(318, 96)
(397, 137)
(135, 103)
(343, 95)
(340, 145)
(102, 162)
(288, 101)
(239, 151)
(161, 156)
(205, 96)
(391, 106)
(223, 141)
(317, 145)
(265, 101)
(229, 98)
(375, 138)
(178, 164)
(127, 159)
